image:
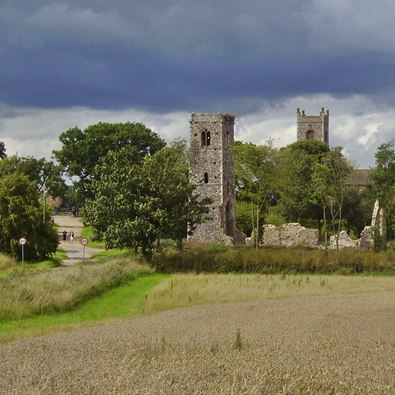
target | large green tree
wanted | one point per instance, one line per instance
(45, 174)
(294, 175)
(168, 172)
(82, 150)
(138, 200)
(21, 215)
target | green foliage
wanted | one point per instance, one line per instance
(44, 173)
(294, 175)
(21, 215)
(168, 173)
(329, 187)
(275, 260)
(138, 201)
(254, 167)
(383, 178)
(82, 151)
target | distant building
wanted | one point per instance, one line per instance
(312, 127)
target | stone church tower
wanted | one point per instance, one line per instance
(313, 127)
(211, 169)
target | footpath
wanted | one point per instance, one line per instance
(74, 249)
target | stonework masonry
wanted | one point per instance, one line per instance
(313, 127)
(211, 169)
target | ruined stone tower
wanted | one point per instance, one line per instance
(211, 169)
(313, 127)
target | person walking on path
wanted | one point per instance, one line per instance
(71, 236)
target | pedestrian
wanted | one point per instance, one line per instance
(64, 235)
(71, 236)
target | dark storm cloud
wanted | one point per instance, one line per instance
(191, 55)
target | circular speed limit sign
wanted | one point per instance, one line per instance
(84, 242)
(22, 241)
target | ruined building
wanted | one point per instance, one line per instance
(313, 127)
(211, 169)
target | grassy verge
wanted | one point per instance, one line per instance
(121, 302)
(193, 289)
(26, 293)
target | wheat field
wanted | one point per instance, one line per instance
(337, 344)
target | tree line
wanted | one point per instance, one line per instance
(133, 189)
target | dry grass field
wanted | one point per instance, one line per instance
(336, 344)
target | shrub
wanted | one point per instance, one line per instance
(274, 260)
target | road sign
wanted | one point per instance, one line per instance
(22, 241)
(84, 242)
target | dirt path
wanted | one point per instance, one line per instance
(74, 250)
(342, 344)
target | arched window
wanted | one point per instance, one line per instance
(310, 135)
(205, 138)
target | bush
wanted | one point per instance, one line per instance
(274, 260)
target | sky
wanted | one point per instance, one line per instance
(73, 63)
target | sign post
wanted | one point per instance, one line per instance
(22, 242)
(84, 242)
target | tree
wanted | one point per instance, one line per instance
(45, 174)
(329, 188)
(3, 154)
(168, 172)
(82, 150)
(21, 215)
(254, 167)
(294, 176)
(383, 177)
(138, 201)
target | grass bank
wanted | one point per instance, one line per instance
(121, 302)
(25, 293)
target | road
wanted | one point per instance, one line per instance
(74, 249)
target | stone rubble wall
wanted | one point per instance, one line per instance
(290, 235)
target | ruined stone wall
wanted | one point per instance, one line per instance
(290, 235)
(211, 169)
(315, 127)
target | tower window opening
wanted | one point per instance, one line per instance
(205, 138)
(310, 135)
(205, 178)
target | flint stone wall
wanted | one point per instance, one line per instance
(290, 235)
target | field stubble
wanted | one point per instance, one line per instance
(338, 344)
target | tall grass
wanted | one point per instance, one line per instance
(27, 293)
(182, 290)
(7, 262)
(275, 260)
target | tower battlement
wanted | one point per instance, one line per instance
(313, 127)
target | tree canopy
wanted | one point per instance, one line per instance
(138, 201)
(21, 215)
(45, 174)
(82, 151)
